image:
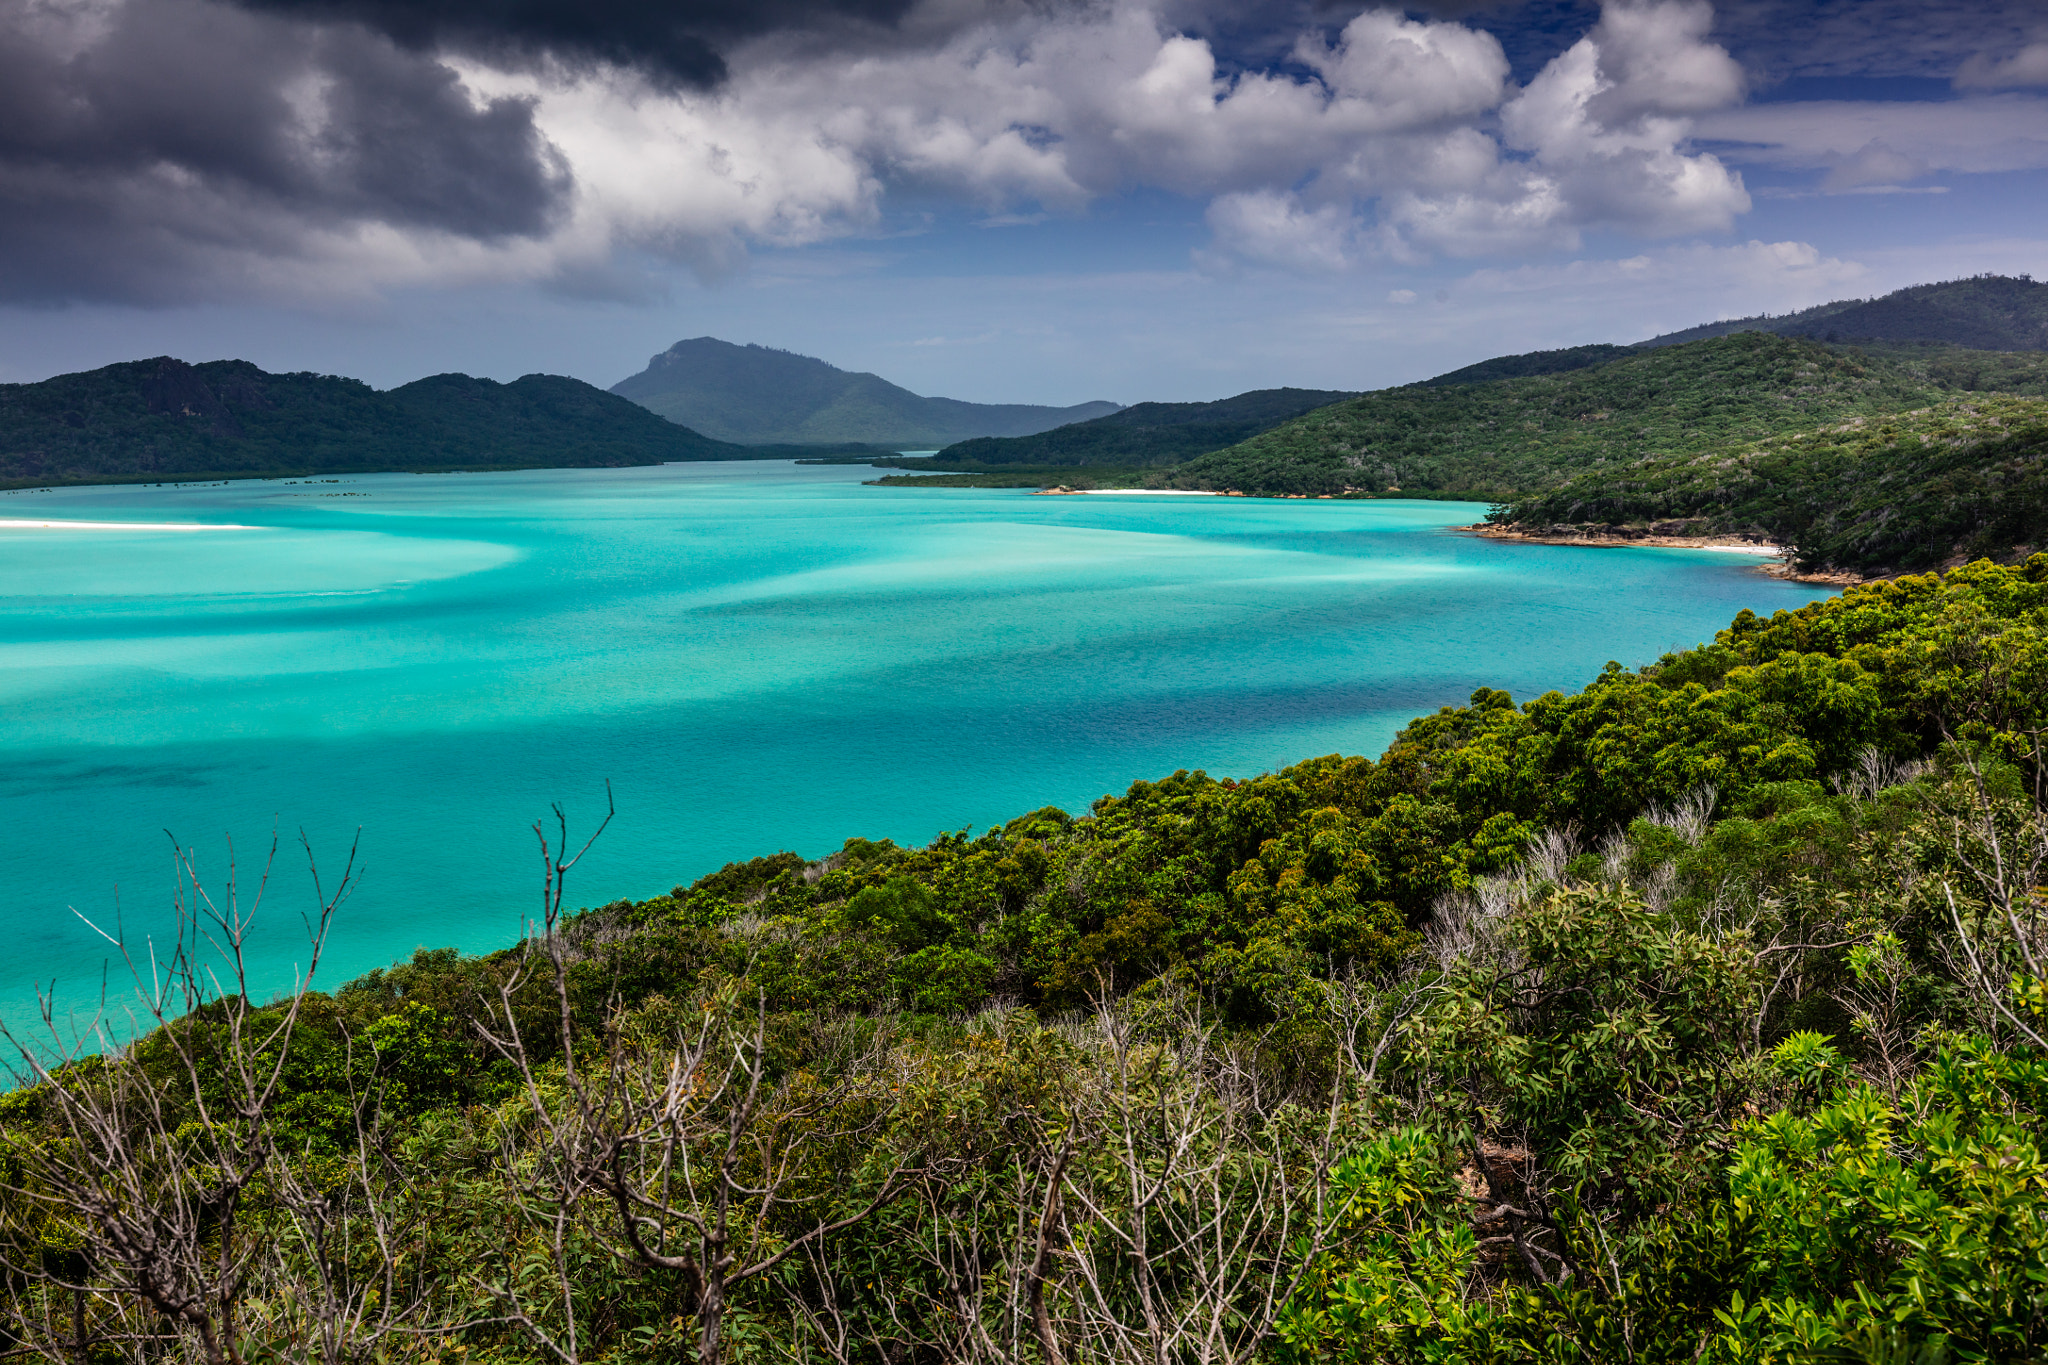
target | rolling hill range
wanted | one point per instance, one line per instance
(1901, 450)
(755, 395)
(1975, 335)
(1984, 313)
(1512, 437)
(1869, 435)
(1532, 363)
(1145, 433)
(165, 419)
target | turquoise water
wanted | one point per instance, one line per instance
(758, 657)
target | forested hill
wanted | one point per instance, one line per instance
(1984, 313)
(1145, 433)
(761, 396)
(1532, 363)
(1699, 1017)
(1863, 462)
(1873, 495)
(165, 419)
(1516, 437)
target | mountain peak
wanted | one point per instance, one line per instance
(762, 395)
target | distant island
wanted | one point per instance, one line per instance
(162, 419)
(756, 395)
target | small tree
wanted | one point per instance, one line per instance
(145, 1193)
(688, 1159)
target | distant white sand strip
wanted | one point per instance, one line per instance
(6, 525)
(1149, 492)
(1746, 549)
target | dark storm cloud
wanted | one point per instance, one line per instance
(1778, 40)
(1871, 39)
(673, 40)
(149, 150)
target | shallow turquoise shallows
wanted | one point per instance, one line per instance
(758, 657)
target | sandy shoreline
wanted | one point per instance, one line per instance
(1782, 568)
(1727, 544)
(1064, 492)
(20, 525)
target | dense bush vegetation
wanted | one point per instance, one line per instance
(164, 419)
(1695, 1016)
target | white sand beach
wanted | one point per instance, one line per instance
(20, 525)
(1746, 549)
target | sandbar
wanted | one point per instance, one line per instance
(18, 525)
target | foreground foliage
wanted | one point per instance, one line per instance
(1698, 1015)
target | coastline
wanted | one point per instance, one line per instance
(1779, 568)
(1062, 491)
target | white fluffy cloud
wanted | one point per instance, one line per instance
(1406, 137)
(1273, 228)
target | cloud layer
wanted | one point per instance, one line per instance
(163, 150)
(1888, 142)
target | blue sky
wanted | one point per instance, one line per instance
(990, 199)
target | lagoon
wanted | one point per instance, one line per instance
(757, 656)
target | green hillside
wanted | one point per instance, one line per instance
(1912, 347)
(165, 419)
(759, 396)
(1517, 437)
(1532, 363)
(1902, 491)
(1984, 313)
(1144, 433)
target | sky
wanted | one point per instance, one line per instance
(1046, 201)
